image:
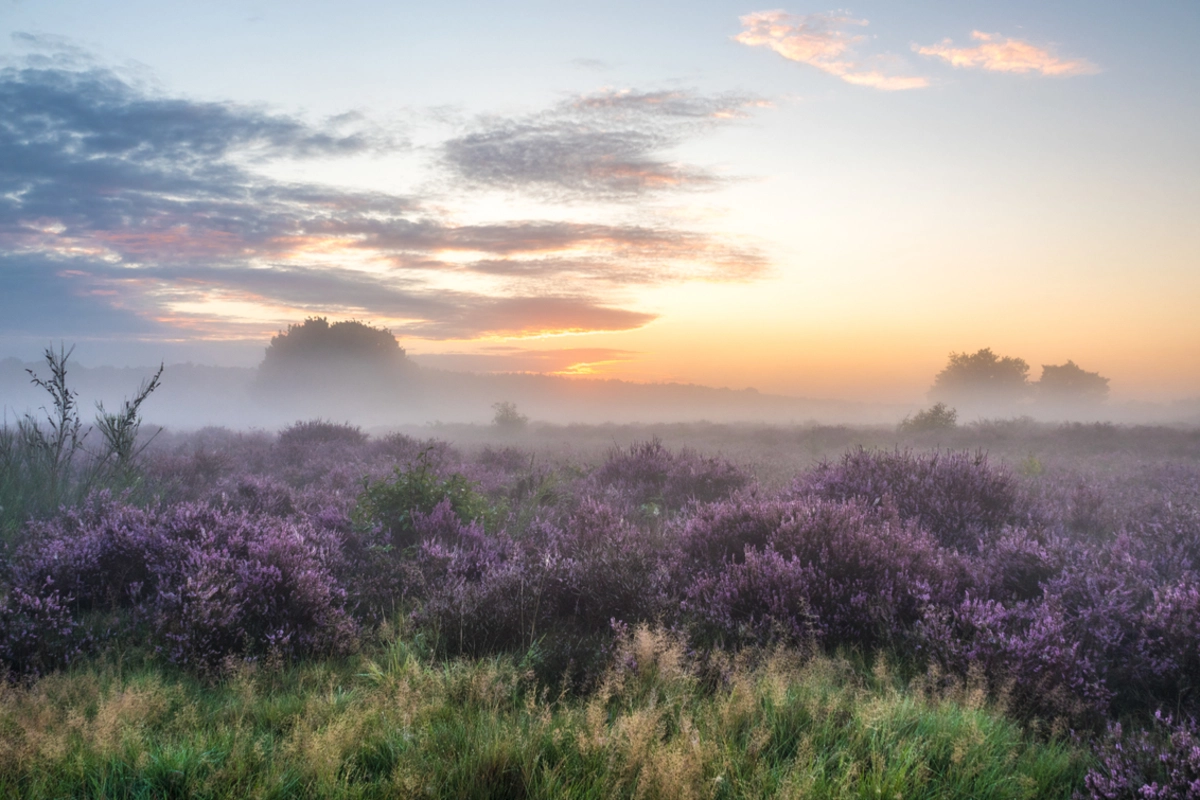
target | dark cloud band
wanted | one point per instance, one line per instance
(120, 208)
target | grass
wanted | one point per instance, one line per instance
(391, 722)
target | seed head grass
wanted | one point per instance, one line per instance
(390, 722)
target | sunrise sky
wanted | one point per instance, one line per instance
(808, 201)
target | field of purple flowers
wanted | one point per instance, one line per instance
(1072, 589)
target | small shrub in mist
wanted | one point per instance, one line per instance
(319, 432)
(938, 417)
(507, 417)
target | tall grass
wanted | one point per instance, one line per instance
(394, 723)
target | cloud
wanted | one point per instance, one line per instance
(998, 54)
(141, 214)
(594, 64)
(561, 361)
(824, 41)
(530, 316)
(39, 289)
(604, 145)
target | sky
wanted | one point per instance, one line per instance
(804, 200)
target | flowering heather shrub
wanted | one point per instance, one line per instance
(507, 459)
(398, 447)
(495, 612)
(187, 468)
(958, 497)
(1168, 528)
(37, 633)
(854, 576)
(560, 588)
(212, 582)
(104, 556)
(759, 600)
(451, 547)
(319, 433)
(716, 533)
(1160, 764)
(255, 494)
(1101, 596)
(1167, 651)
(1027, 651)
(648, 475)
(1016, 564)
(249, 586)
(606, 569)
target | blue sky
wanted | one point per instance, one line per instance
(801, 199)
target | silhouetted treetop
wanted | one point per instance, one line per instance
(1070, 383)
(981, 377)
(316, 339)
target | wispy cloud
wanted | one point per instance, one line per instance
(827, 42)
(558, 361)
(606, 145)
(142, 214)
(999, 54)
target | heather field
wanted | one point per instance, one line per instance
(999, 609)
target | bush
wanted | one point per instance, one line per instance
(1029, 651)
(38, 634)
(958, 497)
(106, 556)
(1162, 763)
(212, 583)
(248, 587)
(938, 417)
(256, 494)
(558, 590)
(1016, 565)
(393, 504)
(847, 574)
(317, 432)
(507, 417)
(648, 478)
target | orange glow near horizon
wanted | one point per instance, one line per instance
(816, 204)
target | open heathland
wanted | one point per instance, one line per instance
(1001, 609)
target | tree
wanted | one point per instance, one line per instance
(507, 417)
(319, 369)
(982, 379)
(1069, 383)
(315, 341)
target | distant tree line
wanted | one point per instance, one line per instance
(985, 379)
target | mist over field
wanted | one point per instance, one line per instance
(345, 389)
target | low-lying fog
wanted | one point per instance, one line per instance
(194, 396)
